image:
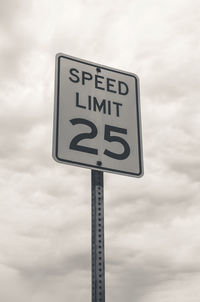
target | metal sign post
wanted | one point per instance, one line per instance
(98, 263)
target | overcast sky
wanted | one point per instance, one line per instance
(152, 224)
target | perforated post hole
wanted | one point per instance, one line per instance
(98, 264)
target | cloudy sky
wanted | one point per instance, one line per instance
(152, 223)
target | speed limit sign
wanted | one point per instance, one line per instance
(97, 117)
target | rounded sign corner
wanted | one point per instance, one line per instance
(140, 174)
(60, 55)
(56, 158)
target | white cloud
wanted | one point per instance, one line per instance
(152, 223)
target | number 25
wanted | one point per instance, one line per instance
(107, 136)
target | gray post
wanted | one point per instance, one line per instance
(98, 264)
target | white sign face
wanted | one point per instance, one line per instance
(97, 117)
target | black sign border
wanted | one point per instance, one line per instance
(59, 56)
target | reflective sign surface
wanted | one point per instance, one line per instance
(97, 117)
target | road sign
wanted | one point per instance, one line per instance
(97, 117)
